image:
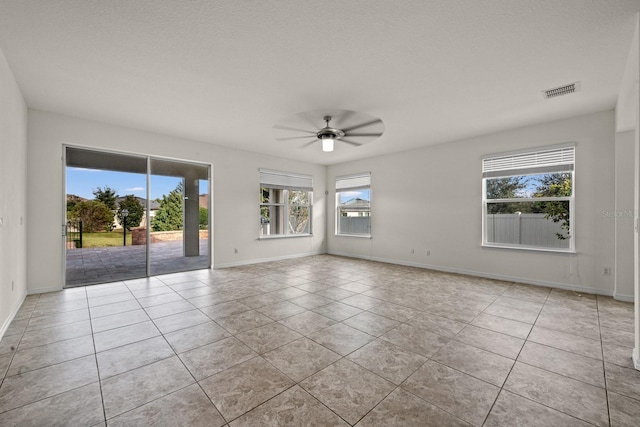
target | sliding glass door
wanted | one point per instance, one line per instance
(179, 237)
(130, 216)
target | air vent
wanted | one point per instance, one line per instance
(562, 90)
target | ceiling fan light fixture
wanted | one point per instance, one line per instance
(327, 143)
(356, 129)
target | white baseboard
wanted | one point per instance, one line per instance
(12, 315)
(526, 281)
(263, 260)
(44, 290)
(622, 297)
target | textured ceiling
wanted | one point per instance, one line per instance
(224, 72)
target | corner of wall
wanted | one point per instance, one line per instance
(13, 189)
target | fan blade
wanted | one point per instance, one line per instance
(350, 142)
(290, 138)
(307, 144)
(312, 120)
(294, 129)
(343, 117)
(372, 122)
(363, 134)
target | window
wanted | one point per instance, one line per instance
(353, 205)
(528, 199)
(285, 203)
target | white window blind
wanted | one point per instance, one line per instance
(551, 160)
(353, 181)
(285, 180)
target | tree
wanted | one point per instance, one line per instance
(95, 215)
(72, 201)
(265, 197)
(555, 185)
(134, 208)
(204, 218)
(106, 195)
(298, 211)
(505, 188)
(169, 215)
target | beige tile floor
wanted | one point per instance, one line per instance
(319, 341)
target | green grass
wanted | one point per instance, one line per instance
(99, 240)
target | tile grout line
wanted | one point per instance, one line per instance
(55, 364)
(604, 365)
(428, 359)
(15, 350)
(95, 356)
(514, 361)
(175, 354)
(383, 301)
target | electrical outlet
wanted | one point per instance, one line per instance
(235, 250)
(428, 253)
(607, 271)
(412, 251)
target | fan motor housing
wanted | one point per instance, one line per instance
(329, 132)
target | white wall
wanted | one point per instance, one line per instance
(235, 193)
(632, 85)
(624, 215)
(409, 191)
(441, 185)
(13, 203)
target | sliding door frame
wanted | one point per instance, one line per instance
(149, 158)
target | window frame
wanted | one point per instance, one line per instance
(541, 162)
(361, 181)
(284, 182)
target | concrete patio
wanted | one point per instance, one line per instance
(108, 264)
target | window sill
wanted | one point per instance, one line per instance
(284, 236)
(530, 248)
(360, 236)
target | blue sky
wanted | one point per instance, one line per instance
(532, 182)
(345, 196)
(82, 182)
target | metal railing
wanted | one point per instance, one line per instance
(74, 234)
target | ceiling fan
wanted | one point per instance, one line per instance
(350, 128)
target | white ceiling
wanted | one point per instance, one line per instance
(224, 72)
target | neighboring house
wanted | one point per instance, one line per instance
(356, 207)
(153, 208)
(203, 201)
